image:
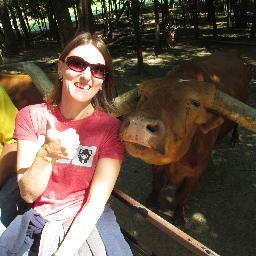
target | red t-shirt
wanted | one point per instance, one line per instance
(70, 180)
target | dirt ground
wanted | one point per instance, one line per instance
(221, 212)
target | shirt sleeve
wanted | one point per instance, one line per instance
(112, 146)
(29, 123)
(7, 118)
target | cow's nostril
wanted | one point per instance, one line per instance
(153, 128)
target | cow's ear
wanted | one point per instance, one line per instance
(212, 123)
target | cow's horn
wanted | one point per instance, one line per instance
(40, 79)
(234, 110)
(124, 103)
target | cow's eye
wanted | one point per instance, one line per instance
(195, 103)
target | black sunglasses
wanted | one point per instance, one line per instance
(78, 64)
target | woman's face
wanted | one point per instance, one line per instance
(81, 86)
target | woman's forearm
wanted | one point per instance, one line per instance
(100, 191)
(35, 179)
(80, 229)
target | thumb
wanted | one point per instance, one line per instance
(50, 122)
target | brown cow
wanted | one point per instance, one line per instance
(175, 124)
(22, 89)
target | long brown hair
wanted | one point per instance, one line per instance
(104, 97)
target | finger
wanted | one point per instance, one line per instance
(50, 122)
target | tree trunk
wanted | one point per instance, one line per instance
(253, 28)
(1, 46)
(107, 27)
(10, 40)
(53, 26)
(75, 6)
(157, 48)
(195, 18)
(65, 27)
(86, 19)
(110, 6)
(14, 22)
(1, 57)
(110, 17)
(23, 25)
(128, 10)
(229, 13)
(171, 4)
(234, 7)
(165, 14)
(135, 8)
(25, 15)
(125, 5)
(1, 37)
(115, 8)
(183, 12)
(243, 15)
(211, 13)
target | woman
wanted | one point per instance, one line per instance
(69, 153)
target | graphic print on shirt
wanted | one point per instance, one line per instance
(83, 157)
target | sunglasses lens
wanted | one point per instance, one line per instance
(98, 71)
(76, 63)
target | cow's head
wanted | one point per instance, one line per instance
(167, 115)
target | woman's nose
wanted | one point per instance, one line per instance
(86, 74)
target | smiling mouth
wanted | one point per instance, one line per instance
(85, 87)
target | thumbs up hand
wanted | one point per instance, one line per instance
(60, 145)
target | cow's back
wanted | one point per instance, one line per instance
(21, 89)
(226, 70)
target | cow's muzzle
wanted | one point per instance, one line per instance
(144, 131)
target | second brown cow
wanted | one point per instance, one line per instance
(24, 89)
(179, 118)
